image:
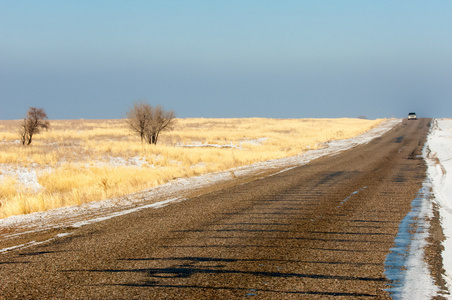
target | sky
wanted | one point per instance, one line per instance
(93, 59)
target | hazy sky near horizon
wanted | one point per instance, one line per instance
(235, 58)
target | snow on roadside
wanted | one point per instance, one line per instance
(78, 215)
(405, 265)
(439, 159)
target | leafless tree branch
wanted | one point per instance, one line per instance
(149, 121)
(35, 120)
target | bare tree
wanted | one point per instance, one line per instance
(160, 120)
(149, 121)
(138, 118)
(35, 120)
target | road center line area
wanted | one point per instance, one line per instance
(316, 231)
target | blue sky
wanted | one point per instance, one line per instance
(235, 58)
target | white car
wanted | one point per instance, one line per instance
(412, 116)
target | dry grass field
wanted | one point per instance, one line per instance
(78, 161)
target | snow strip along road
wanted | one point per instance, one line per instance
(322, 229)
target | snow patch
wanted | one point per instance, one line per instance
(258, 141)
(28, 178)
(128, 211)
(135, 161)
(405, 264)
(205, 145)
(354, 193)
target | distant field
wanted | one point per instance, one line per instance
(79, 161)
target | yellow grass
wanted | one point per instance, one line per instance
(79, 161)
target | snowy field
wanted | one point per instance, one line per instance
(405, 263)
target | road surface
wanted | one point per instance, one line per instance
(318, 231)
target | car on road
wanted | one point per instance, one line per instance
(412, 116)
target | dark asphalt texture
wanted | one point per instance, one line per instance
(320, 231)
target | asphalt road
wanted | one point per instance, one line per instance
(318, 231)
